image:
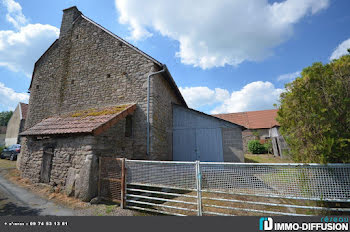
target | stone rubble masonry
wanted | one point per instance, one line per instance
(89, 68)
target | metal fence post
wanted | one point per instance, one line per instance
(123, 185)
(199, 188)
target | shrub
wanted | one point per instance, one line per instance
(255, 147)
(268, 146)
(1, 149)
(314, 113)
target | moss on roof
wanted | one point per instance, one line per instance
(99, 112)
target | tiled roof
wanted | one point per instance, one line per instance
(24, 110)
(252, 119)
(92, 121)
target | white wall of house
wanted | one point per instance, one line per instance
(13, 127)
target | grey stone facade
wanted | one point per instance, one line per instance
(88, 67)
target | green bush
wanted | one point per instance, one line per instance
(255, 147)
(314, 113)
(1, 148)
(268, 146)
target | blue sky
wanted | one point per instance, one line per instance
(225, 55)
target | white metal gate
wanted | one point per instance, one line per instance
(204, 188)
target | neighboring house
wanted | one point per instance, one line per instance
(16, 124)
(89, 98)
(261, 124)
(2, 135)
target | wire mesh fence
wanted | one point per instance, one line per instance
(209, 188)
(110, 185)
(299, 181)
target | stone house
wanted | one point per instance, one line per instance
(93, 94)
(16, 124)
(260, 125)
(88, 97)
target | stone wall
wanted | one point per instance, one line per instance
(90, 68)
(161, 118)
(71, 155)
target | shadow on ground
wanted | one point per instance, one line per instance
(7, 208)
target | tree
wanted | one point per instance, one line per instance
(5, 117)
(314, 113)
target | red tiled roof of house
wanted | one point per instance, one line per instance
(92, 121)
(252, 119)
(24, 110)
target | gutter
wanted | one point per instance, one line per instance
(148, 103)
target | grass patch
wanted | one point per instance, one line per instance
(109, 209)
(7, 164)
(97, 112)
(250, 158)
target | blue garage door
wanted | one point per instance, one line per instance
(197, 144)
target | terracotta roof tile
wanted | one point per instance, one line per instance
(93, 121)
(252, 119)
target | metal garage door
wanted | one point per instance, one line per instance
(197, 144)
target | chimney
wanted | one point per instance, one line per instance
(69, 15)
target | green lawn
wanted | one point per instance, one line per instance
(5, 164)
(265, 158)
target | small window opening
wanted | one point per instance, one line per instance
(37, 87)
(77, 36)
(72, 82)
(128, 126)
(108, 75)
(120, 44)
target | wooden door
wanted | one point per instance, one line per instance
(46, 165)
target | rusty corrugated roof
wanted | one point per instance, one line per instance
(92, 121)
(252, 119)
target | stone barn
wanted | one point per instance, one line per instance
(94, 95)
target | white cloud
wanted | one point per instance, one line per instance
(341, 50)
(9, 98)
(14, 13)
(218, 33)
(288, 76)
(20, 48)
(257, 95)
(200, 96)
